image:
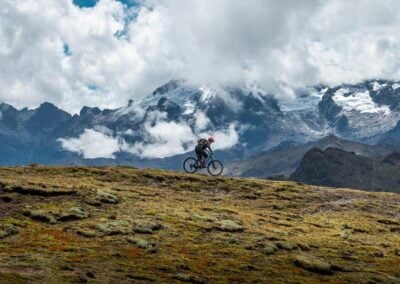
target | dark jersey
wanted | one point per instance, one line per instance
(206, 146)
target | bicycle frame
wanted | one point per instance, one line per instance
(210, 158)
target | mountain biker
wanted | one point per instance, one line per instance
(201, 149)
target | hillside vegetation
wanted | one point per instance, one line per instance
(125, 225)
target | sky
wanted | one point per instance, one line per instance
(103, 53)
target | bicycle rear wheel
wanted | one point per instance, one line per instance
(190, 165)
(215, 168)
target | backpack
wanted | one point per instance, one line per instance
(201, 141)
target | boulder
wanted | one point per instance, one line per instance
(229, 226)
(313, 264)
(7, 230)
(107, 197)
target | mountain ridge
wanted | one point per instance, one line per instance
(246, 120)
(338, 168)
(283, 161)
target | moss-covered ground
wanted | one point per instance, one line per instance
(126, 225)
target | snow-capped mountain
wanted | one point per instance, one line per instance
(166, 123)
(362, 112)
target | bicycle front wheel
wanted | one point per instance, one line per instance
(190, 165)
(215, 168)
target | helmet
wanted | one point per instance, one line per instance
(211, 139)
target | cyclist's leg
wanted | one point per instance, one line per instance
(199, 155)
(205, 156)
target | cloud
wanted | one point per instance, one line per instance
(161, 139)
(202, 121)
(171, 138)
(105, 55)
(166, 139)
(92, 144)
(225, 139)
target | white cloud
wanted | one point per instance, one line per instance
(92, 144)
(166, 139)
(225, 139)
(278, 45)
(202, 121)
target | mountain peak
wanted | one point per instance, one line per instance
(89, 110)
(170, 86)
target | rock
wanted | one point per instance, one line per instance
(140, 243)
(202, 217)
(66, 268)
(6, 198)
(189, 278)
(269, 249)
(42, 216)
(397, 252)
(90, 274)
(250, 268)
(303, 246)
(107, 197)
(285, 246)
(114, 227)
(142, 230)
(7, 230)
(74, 213)
(234, 241)
(183, 266)
(140, 278)
(39, 191)
(313, 264)
(94, 202)
(389, 222)
(229, 226)
(348, 254)
(377, 254)
(87, 233)
(395, 230)
(112, 217)
(150, 246)
(146, 228)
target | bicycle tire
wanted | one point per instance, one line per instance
(190, 165)
(215, 168)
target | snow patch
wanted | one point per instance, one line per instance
(395, 86)
(189, 108)
(376, 86)
(360, 101)
(307, 101)
(207, 93)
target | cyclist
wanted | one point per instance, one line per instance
(203, 145)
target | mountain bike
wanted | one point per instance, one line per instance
(214, 167)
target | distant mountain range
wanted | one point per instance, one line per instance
(161, 128)
(283, 160)
(338, 168)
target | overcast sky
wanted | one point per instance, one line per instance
(104, 53)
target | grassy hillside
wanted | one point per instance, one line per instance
(124, 225)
